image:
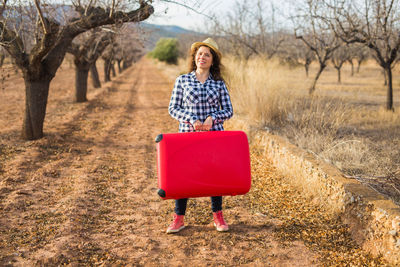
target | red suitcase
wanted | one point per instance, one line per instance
(200, 164)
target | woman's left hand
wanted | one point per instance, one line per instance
(208, 123)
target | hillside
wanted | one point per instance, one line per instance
(155, 32)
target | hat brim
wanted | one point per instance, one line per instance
(197, 44)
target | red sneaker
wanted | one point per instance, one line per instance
(219, 222)
(176, 225)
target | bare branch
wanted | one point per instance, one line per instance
(112, 9)
(188, 7)
(44, 25)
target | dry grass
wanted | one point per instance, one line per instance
(171, 71)
(261, 85)
(344, 124)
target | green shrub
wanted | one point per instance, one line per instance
(166, 50)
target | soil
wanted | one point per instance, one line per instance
(85, 194)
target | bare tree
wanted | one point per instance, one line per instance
(185, 41)
(247, 29)
(112, 66)
(130, 40)
(308, 57)
(350, 61)
(294, 52)
(316, 34)
(362, 53)
(351, 51)
(128, 60)
(339, 57)
(131, 56)
(374, 23)
(86, 50)
(38, 34)
(119, 56)
(127, 40)
(108, 61)
(305, 55)
(94, 74)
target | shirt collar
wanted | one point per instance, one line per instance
(193, 74)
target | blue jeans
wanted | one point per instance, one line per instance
(180, 205)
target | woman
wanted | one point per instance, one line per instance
(200, 102)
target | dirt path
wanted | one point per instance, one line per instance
(86, 193)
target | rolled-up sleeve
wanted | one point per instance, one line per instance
(226, 111)
(176, 109)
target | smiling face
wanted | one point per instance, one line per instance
(204, 58)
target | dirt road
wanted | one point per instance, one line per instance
(86, 193)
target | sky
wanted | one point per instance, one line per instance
(173, 14)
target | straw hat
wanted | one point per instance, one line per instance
(210, 43)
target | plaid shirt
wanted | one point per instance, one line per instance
(192, 101)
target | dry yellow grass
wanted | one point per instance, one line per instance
(344, 124)
(258, 89)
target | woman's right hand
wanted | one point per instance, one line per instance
(198, 126)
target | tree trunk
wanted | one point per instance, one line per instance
(339, 79)
(81, 79)
(107, 69)
(389, 100)
(113, 70)
(95, 76)
(2, 57)
(359, 65)
(36, 94)
(307, 66)
(125, 64)
(385, 77)
(352, 67)
(119, 66)
(312, 88)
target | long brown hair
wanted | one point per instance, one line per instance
(216, 66)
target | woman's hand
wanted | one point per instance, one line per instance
(206, 126)
(208, 123)
(198, 126)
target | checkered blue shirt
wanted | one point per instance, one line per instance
(192, 101)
